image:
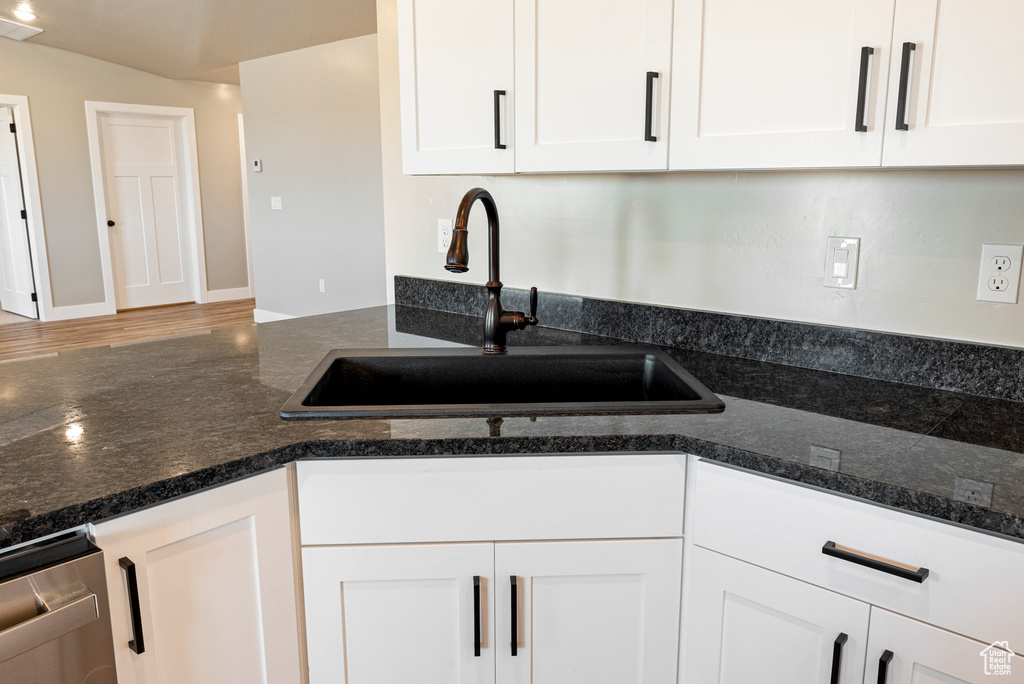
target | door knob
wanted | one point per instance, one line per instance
(110, 223)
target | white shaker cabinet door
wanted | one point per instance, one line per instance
(784, 84)
(214, 587)
(905, 651)
(583, 87)
(961, 101)
(587, 612)
(402, 613)
(456, 81)
(746, 624)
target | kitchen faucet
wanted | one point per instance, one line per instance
(497, 322)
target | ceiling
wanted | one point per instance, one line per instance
(202, 40)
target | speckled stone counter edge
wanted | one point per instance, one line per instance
(977, 369)
(124, 502)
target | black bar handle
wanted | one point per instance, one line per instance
(136, 643)
(498, 94)
(476, 615)
(649, 115)
(837, 656)
(883, 666)
(901, 101)
(862, 88)
(914, 575)
(515, 616)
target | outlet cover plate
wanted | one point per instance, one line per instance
(842, 255)
(994, 269)
(444, 235)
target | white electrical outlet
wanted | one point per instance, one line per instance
(841, 257)
(321, 284)
(275, 202)
(444, 235)
(999, 277)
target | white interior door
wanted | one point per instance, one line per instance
(747, 624)
(403, 613)
(17, 289)
(964, 102)
(588, 612)
(582, 81)
(911, 652)
(149, 247)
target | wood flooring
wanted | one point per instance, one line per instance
(32, 338)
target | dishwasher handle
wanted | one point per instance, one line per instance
(48, 626)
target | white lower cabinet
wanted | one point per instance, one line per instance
(747, 624)
(202, 588)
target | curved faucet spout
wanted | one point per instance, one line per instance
(497, 322)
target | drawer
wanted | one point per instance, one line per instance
(491, 498)
(973, 585)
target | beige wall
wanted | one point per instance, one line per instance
(57, 84)
(748, 243)
(313, 117)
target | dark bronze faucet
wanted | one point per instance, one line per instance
(497, 322)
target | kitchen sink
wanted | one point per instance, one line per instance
(525, 381)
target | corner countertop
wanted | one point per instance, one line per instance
(88, 434)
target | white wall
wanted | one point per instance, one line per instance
(747, 243)
(57, 84)
(313, 117)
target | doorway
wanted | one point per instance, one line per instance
(145, 180)
(17, 280)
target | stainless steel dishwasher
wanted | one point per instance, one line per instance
(54, 615)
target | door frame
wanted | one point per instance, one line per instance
(33, 203)
(245, 205)
(193, 218)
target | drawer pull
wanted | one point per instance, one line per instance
(862, 88)
(498, 96)
(875, 563)
(901, 100)
(515, 616)
(837, 656)
(883, 666)
(649, 113)
(136, 643)
(476, 615)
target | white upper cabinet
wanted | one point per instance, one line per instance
(964, 100)
(593, 84)
(456, 76)
(779, 84)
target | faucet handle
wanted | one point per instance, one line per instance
(532, 320)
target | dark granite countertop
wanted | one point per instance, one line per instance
(93, 433)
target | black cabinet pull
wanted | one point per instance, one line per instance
(901, 102)
(515, 616)
(476, 615)
(837, 656)
(905, 572)
(862, 88)
(136, 643)
(649, 114)
(498, 94)
(883, 666)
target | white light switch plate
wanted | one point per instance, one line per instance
(841, 257)
(999, 275)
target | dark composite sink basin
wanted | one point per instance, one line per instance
(526, 381)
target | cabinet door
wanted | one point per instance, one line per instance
(965, 104)
(216, 587)
(747, 624)
(581, 72)
(922, 654)
(588, 612)
(776, 84)
(453, 57)
(387, 614)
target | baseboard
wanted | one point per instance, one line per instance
(264, 316)
(66, 313)
(227, 295)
